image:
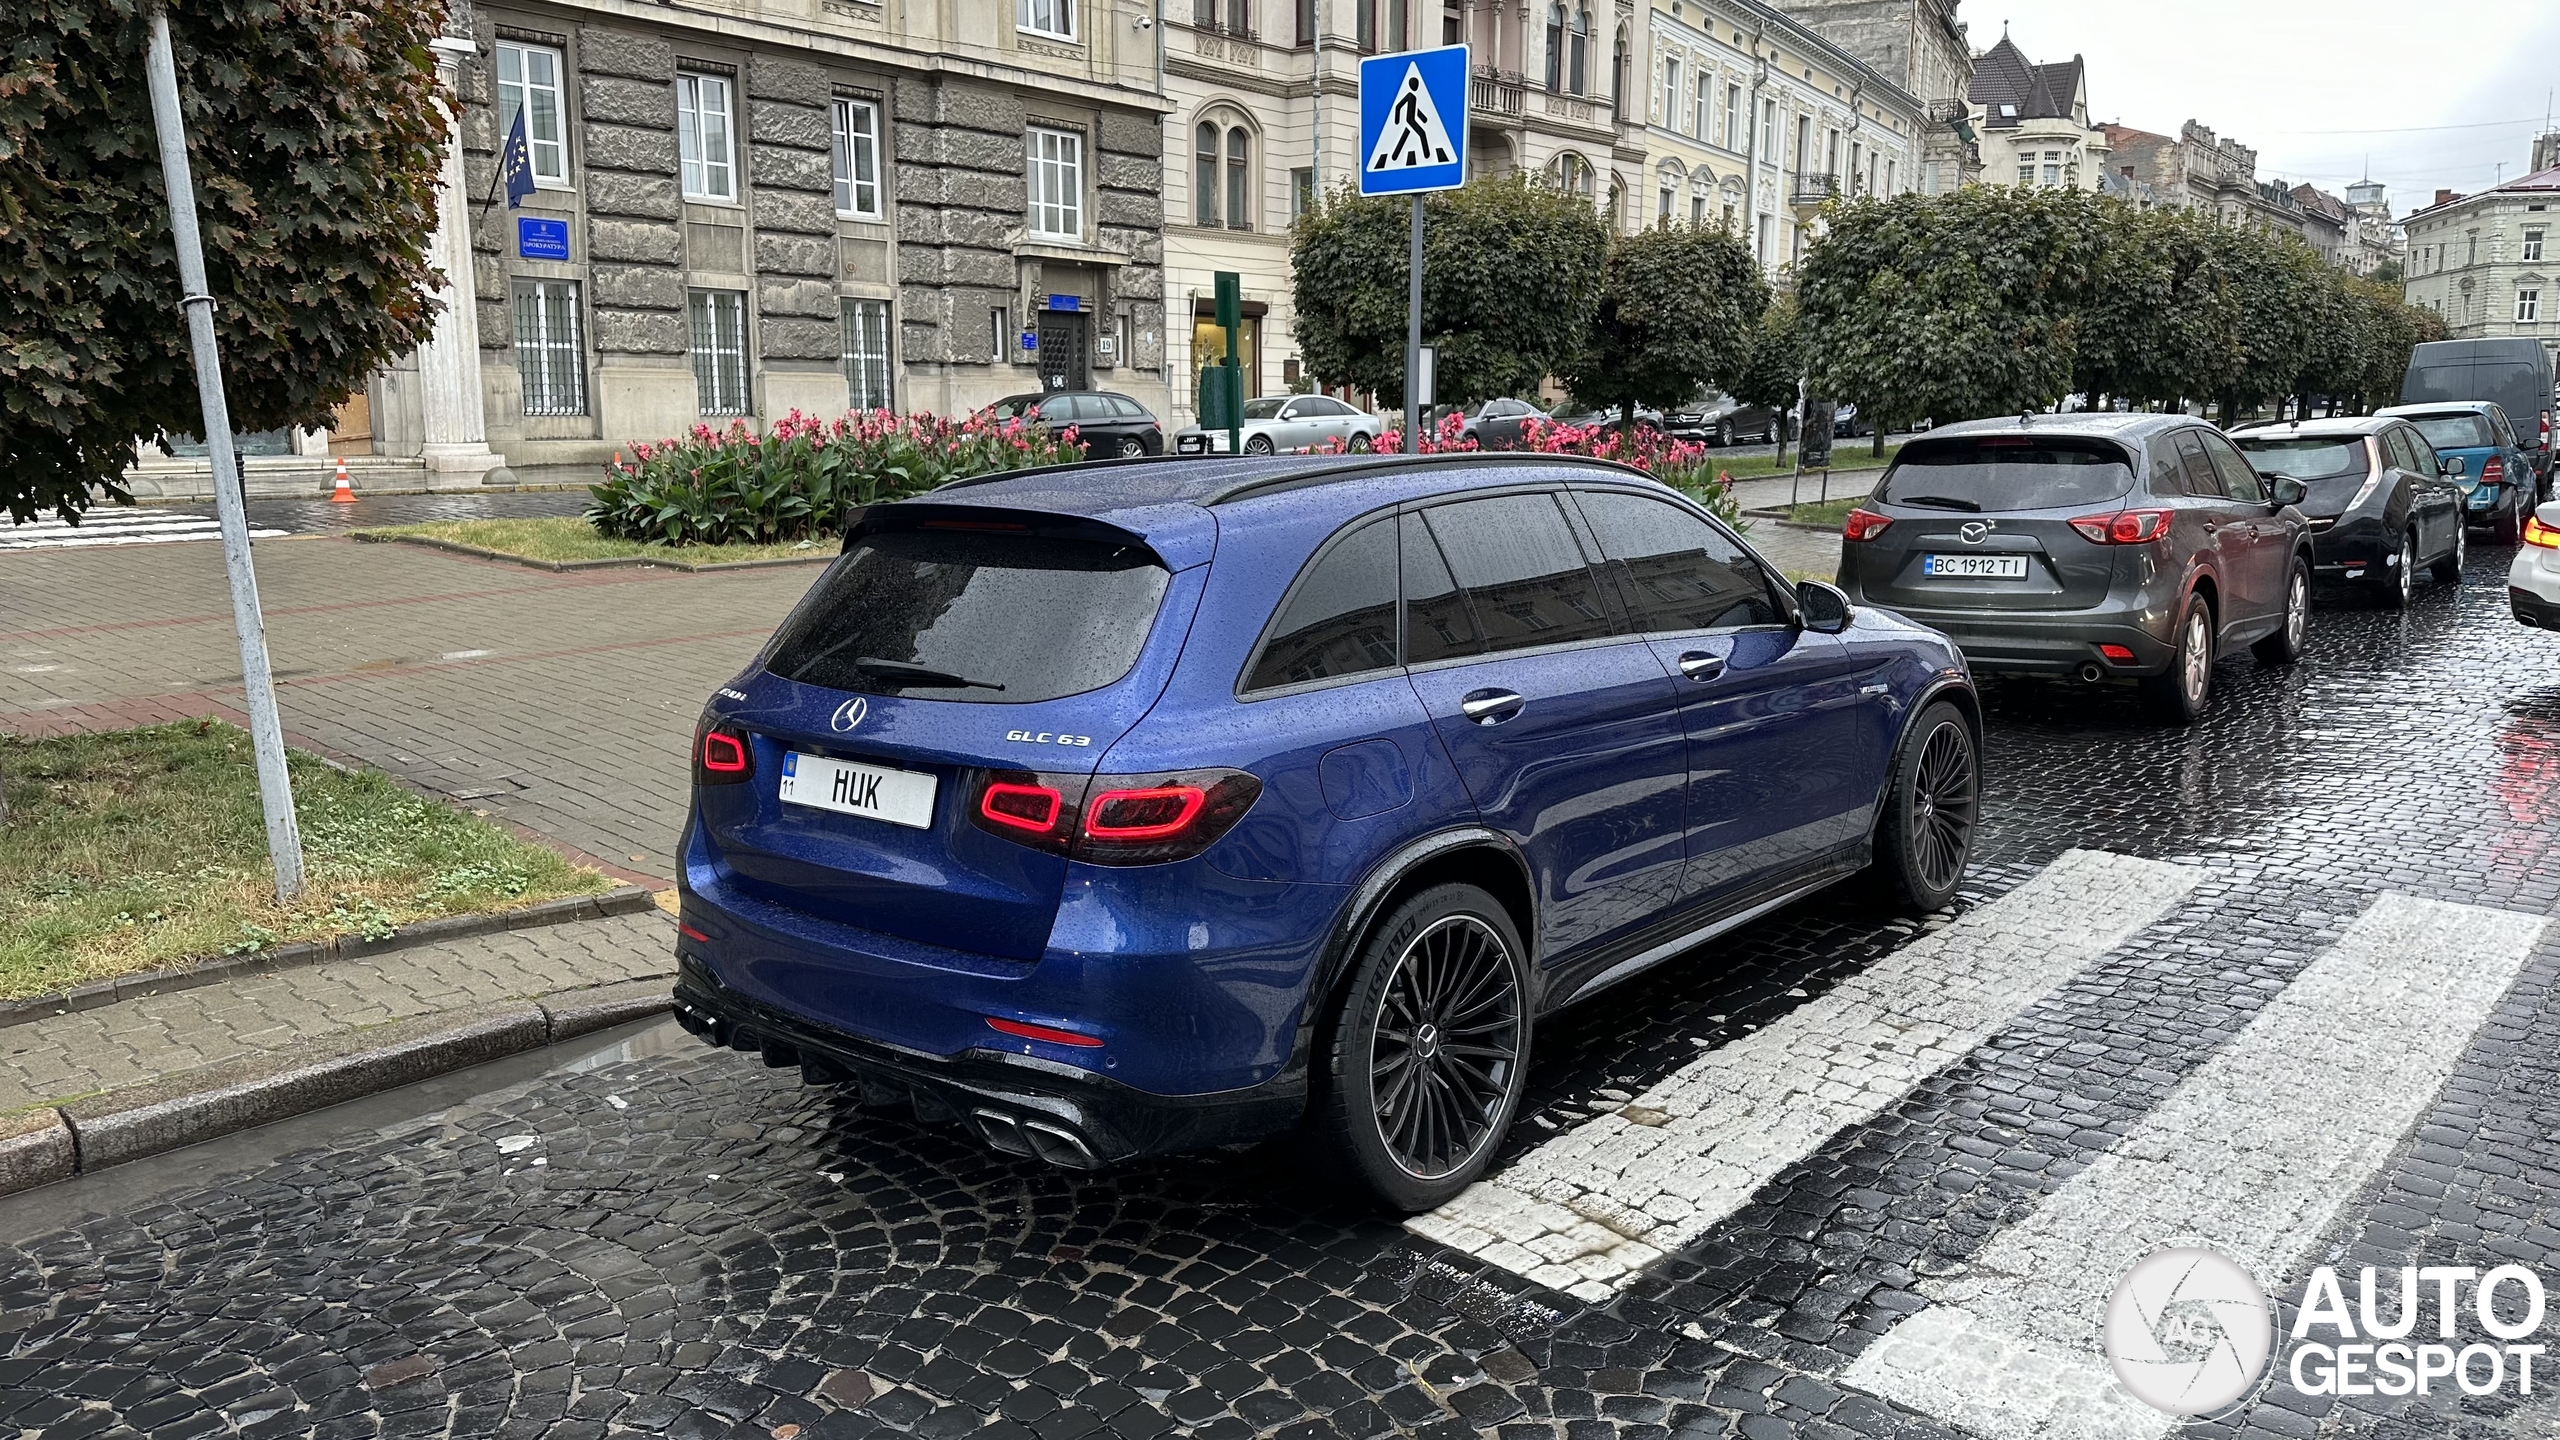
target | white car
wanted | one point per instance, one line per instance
(2533, 581)
(1277, 424)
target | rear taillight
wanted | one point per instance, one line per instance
(1112, 819)
(2493, 470)
(1027, 808)
(2125, 527)
(2537, 533)
(2546, 429)
(722, 754)
(1864, 524)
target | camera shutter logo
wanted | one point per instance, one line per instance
(849, 714)
(2190, 1331)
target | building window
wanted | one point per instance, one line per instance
(2053, 167)
(1698, 210)
(1239, 179)
(1769, 140)
(549, 363)
(1302, 193)
(999, 335)
(1698, 121)
(1396, 23)
(1671, 94)
(866, 355)
(1204, 174)
(2528, 307)
(1663, 215)
(1804, 141)
(1768, 236)
(529, 82)
(1057, 184)
(1222, 181)
(1306, 23)
(1733, 118)
(2533, 242)
(1578, 68)
(702, 137)
(718, 320)
(1892, 182)
(1055, 18)
(857, 158)
(2026, 172)
(1364, 23)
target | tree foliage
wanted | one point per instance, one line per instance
(1679, 305)
(1511, 280)
(316, 146)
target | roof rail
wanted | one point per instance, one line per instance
(1363, 467)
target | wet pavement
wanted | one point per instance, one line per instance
(671, 1239)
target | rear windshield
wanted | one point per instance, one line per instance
(997, 619)
(2460, 430)
(2001, 472)
(2305, 457)
(2504, 381)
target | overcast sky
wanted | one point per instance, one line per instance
(2461, 85)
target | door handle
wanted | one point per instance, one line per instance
(1698, 665)
(1876, 689)
(1490, 707)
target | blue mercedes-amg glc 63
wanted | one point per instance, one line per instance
(1118, 809)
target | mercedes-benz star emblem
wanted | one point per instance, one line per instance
(1974, 531)
(850, 713)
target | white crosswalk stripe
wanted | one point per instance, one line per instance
(1587, 1211)
(117, 527)
(2252, 1154)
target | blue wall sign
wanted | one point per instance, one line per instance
(1413, 121)
(1066, 302)
(542, 239)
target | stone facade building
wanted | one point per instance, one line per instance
(2490, 263)
(1920, 46)
(2199, 170)
(2033, 121)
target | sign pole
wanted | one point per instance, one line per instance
(1413, 128)
(266, 729)
(1413, 340)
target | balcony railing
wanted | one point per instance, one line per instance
(1495, 92)
(1814, 189)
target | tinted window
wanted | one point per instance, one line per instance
(2305, 457)
(1128, 409)
(2455, 430)
(2168, 477)
(1437, 623)
(1675, 570)
(2410, 452)
(2238, 480)
(2002, 472)
(1522, 571)
(1341, 618)
(2201, 481)
(1039, 616)
(1332, 409)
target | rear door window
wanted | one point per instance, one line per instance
(2007, 472)
(1437, 623)
(1340, 618)
(996, 619)
(2411, 453)
(1676, 571)
(1523, 573)
(2239, 481)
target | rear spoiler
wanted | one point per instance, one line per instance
(987, 519)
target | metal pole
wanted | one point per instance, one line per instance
(1413, 340)
(266, 731)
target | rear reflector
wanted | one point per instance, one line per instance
(1049, 1033)
(1863, 524)
(2537, 533)
(2120, 654)
(690, 933)
(2125, 527)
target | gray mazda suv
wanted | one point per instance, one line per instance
(2102, 547)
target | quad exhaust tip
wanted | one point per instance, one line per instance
(1033, 1139)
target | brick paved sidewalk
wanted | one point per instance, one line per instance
(156, 1037)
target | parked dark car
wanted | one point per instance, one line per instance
(1122, 809)
(1722, 420)
(2514, 371)
(1497, 424)
(2138, 547)
(1105, 423)
(2378, 502)
(2499, 490)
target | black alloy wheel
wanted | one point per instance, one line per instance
(1427, 1052)
(1926, 837)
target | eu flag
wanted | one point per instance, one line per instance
(515, 163)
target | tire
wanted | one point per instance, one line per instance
(2510, 527)
(1359, 444)
(1415, 1146)
(1258, 445)
(1724, 435)
(2285, 646)
(2181, 695)
(1131, 447)
(1926, 835)
(2399, 582)
(2449, 568)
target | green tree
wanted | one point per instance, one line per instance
(316, 146)
(2278, 285)
(2160, 317)
(1950, 306)
(1511, 278)
(1774, 367)
(1678, 304)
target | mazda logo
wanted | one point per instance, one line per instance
(1974, 531)
(850, 713)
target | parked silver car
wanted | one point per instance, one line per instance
(1278, 424)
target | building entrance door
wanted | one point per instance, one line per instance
(1066, 354)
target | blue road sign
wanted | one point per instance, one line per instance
(1413, 121)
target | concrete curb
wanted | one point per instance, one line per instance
(622, 900)
(90, 1134)
(625, 562)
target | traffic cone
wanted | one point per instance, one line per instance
(345, 494)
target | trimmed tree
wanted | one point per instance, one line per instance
(316, 145)
(1678, 308)
(1511, 279)
(1771, 371)
(2161, 316)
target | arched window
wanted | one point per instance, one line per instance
(1222, 175)
(1578, 71)
(1571, 173)
(1204, 180)
(1239, 179)
(1555, 48)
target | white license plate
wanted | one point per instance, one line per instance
(1975, 567)
(901, 797)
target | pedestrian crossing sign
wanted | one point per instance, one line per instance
(1413, 121)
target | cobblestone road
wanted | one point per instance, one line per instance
(691, 1244)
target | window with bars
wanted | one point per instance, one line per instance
(866, 355)
(529, 83)
(702, 137)
(718, 322)
(857, 124)
(1057, 184)
(549, 363)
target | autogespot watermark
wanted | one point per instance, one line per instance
(2190, 1331)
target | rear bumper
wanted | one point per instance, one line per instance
(2010, 643)
(2533, 587)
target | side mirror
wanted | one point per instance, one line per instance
(2285, 490)
(1824, 608)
